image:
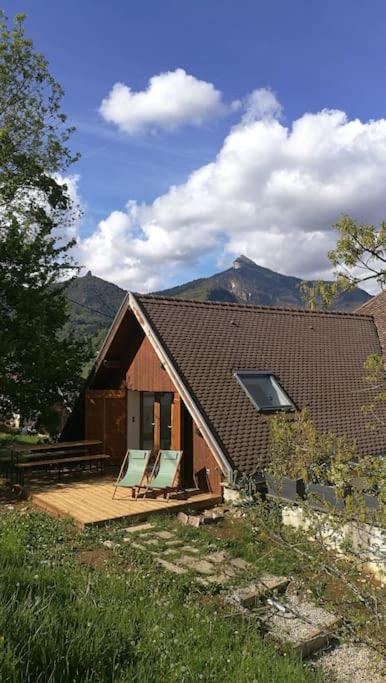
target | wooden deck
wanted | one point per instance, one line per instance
(88, 500)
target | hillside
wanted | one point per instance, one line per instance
(94, 302)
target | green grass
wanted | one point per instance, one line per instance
(8, 437)
(61, 621)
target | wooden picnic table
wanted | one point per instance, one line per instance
(57, 456)
(58, 445)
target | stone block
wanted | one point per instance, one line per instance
(170, 566)
(217, 557)
(182, 518)
(194, 520)
(203, 567)
(186, 560)
(250, 595)
(137, 528)
(164, 535)
(303, 627)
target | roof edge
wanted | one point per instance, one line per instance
(255, 307)
(196, 413)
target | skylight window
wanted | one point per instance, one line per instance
(263, 389)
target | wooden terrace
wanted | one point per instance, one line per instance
(87, 499)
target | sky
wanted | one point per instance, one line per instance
(211, 129)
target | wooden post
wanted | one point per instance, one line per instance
(176, 423)
(157, 423)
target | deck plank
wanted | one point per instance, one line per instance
(90, 501)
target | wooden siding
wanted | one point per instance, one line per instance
(146, 373)
(206, 469)
(106, 421)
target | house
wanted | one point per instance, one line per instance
(377, 308)
(206, 377)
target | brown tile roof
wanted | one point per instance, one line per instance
(318, 358)
(377, 308)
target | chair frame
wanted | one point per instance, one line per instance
(167, 490)
(134, 486)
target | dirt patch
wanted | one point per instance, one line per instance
(226, 530)
(97, 559)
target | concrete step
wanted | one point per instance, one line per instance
(250, 596)
(300, 625)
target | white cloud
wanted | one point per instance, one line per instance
(271, 193)
(171, 100)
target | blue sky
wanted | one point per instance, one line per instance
(313, 55)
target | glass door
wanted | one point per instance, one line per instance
(165, 401)
(147, 420)
(156, 420)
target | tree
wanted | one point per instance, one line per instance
(359, 256)
(40, 364)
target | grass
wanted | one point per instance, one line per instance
(7, 438)
(63, 621)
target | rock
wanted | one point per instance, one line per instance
(196, 565)
(203, 567)
(164, 535)
(217, 557)
(110, 544)
(211, 516)
(172, 543)
(189, 549)
(170, 566)
(182, 518)
(186, 560)
(302, 626)
(229, 570)
(239, 563)
(194, 520)
(139, 527)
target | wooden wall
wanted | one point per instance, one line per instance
(141, 370)
(206, 470)
(146, 372)
(106, 420)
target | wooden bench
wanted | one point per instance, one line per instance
(59, 463)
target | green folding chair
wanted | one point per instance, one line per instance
(137, 462)
(165, 474)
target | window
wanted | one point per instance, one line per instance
(263, 390)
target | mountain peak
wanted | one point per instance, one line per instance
(241, 261)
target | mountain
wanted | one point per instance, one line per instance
(94, 302)
(248, 283)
